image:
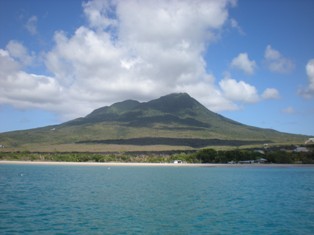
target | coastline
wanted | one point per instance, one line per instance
(139, 164)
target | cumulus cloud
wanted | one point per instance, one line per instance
(123, 54)
(239, 91)
(310, 74)
(20, 53)
(209, 95)
(31, 25)
(276, 62)
(242, 62)
(139, 49)
(270, 93)
(7, 64)
(23, 90)
(234, 24)
(98, 13)
(308, 92)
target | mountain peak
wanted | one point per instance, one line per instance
(173, 103)
(175, 116)
(169, 108)
(176, 96)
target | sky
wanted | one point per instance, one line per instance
(248, 60)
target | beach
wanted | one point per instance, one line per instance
(109, 163)
(146, 164)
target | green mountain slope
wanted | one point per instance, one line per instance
(175, 119)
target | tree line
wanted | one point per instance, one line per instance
(207, 155)
(273, 156)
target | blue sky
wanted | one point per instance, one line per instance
(251, 61)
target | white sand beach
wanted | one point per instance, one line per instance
(139, 164)
(105, 163)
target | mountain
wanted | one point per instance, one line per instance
(173, 120)
(175, 109)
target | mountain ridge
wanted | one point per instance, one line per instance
(175, 116)
(172, 107)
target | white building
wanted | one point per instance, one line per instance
(310, 141)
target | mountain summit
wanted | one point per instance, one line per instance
(174, 109)
(175, 119)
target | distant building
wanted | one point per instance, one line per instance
(177, 161)
(1, 146)
(266, 146)
(247, 162)
(301, 150)
(261, 160)
(310, 141)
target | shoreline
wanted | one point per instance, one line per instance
(139, 164)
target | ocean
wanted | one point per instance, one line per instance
(67, 199)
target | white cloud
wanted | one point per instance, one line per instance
(234, 24)
(270, 93)
(239, 91)
(125, 54)
(242, 62)
(31, 25)
(310, 74)
(17, 51)
(308, 92)
(276, 62)
(21, 89)
(139, 49)
(209, 95)
(25, 90)
(7, 64)
(168, 23)
(98, 13)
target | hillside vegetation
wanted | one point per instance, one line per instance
(174, 120)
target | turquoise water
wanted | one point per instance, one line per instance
(45, 199)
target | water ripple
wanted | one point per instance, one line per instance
(155, 200)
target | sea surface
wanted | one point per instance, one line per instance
(47, 199)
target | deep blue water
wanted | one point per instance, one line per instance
(45, 199)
